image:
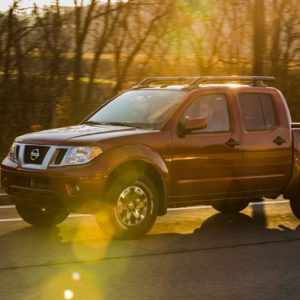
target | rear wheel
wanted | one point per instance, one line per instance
(230, 206)
(131, 207)
(42, 216)
(295, 206)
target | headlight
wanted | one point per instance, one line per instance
(12, 153)
(81, 155)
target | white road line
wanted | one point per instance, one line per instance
(208, 206)
(7, 206)
(190, 207)
(11, 220)
(20, 219)
(171, 209)
(194, 207)
(270, 202)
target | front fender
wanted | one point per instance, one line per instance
(118, 157)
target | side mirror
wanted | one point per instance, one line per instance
(191, 124)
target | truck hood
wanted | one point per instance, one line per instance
(79, 134)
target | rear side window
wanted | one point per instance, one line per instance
(257, 111)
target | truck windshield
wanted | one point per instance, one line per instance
(139, 108)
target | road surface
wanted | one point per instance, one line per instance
(191, 253)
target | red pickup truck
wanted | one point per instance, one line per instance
(169, 141)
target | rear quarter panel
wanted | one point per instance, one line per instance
(294, 183)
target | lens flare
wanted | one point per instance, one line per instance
(68, 294)
(76, 276)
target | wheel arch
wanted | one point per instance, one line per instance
(145, 167)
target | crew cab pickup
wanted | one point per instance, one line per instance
(169, 141)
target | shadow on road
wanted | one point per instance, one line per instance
(222, 230)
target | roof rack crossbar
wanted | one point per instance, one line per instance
(195, 81)
(257, 80)
(147, 81)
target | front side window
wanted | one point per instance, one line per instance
(214, 109)
(257, 111)
(139, 108)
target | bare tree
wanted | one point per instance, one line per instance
(83, 17)
(105, 23)
(285, 38)
(258, 37)
(136, 26)
(9, 23)
(54, 43)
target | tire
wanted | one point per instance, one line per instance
(295, 206)
(130, 208)
(230, 206)
(43, 217)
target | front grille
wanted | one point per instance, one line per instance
(35, 154)
(40, 157)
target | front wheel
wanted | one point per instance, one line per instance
(42, 216)
(131, 207)
(230, 206)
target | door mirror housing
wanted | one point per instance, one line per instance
(191, 124)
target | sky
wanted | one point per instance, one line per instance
(5, 4)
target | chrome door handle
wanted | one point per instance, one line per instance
(279, 140)
(231, 143)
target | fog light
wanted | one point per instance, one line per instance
(72, 188)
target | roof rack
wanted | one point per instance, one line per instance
(193, 82)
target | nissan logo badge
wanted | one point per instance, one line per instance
(34, 155)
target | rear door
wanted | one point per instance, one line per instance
(266, 141)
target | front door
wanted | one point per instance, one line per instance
(205, 163)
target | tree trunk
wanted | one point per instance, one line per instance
(258, 37)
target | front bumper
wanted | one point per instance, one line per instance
(72, 187)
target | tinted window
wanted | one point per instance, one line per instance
(144, 108)
(257, 111)
(268, 110)
(213, 108)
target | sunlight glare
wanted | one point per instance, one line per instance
(76, 276)
(68, 294)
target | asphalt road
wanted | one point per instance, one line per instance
(192, 253)
(4, 199)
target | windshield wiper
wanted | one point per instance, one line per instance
(127, 124)
(93, 123)
(115, 123)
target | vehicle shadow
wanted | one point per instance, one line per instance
(222, 230)
(240, 223)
